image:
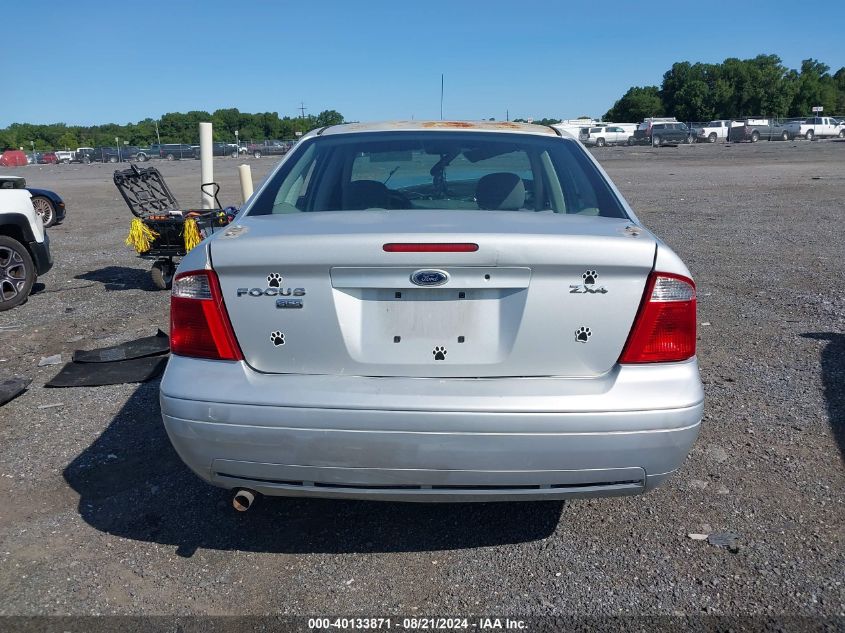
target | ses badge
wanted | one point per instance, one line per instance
(275, 289)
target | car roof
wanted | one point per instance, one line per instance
(440, 126)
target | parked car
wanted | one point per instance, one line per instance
(224, 149)
(269, 148)
(661, 131)
(49, 158)
(24, 247)
(433, 311)
(124, 154)
(670, 133)
(575, 126)
(817, 127)
(47, 204)
(604, 135)
(753, 130)
(13, 158)
(713, 131)
(64, 156)
(82, 155)
(146, 153)
(175, 151)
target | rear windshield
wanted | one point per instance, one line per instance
(443, 171)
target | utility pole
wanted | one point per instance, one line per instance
(302, 110)
(158, 138)
(441, 96)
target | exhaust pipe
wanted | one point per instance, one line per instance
(243, 499)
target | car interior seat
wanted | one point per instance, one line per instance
(367, 194)
(500, 191)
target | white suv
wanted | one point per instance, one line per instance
(24, 247)
(603, 135)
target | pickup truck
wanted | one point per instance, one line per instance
(64, 156)
(269, 148)
(713, 131)
(753, 130)
(817, 127)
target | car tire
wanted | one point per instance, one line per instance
(712, 137)
(170, 157)
(784, 136)
(841, 133)
(45, 210)
(87, 160)
(17, 273)
(162, 274)
(655, 141)
(233, 155)
(690, 139)
(810, 135)
(112, 159)
(600, 142)
(142, 158)
(257, 154)
(755, 136)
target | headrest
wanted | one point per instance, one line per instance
(501, 191)
(367, 194)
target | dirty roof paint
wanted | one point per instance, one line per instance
(480, 126)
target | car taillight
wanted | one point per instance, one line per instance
(664, 330)
(199, 325)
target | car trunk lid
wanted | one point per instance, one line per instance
(543, 294)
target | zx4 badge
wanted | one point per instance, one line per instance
(590, 285)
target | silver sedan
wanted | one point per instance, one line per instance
(434, 311)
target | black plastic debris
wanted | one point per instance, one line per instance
(139, 348)
(11, 388)
(728, 540)
(98, 374)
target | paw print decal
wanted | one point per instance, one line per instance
(589, 277)
(583, 334)
(277, 338)
(274, 280)
(439, 353)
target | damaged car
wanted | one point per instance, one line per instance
(434, 311)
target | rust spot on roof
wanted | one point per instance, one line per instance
(457, 124)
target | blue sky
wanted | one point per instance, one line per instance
(89, 62)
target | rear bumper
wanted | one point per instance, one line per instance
(41, 255)
(383, 443)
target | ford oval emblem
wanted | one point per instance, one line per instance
(430, 277)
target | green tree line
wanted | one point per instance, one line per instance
(174, 127)
(734, 89)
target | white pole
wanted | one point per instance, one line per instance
(245, 172)
(206, 165)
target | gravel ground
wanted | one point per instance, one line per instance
(99, 516)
